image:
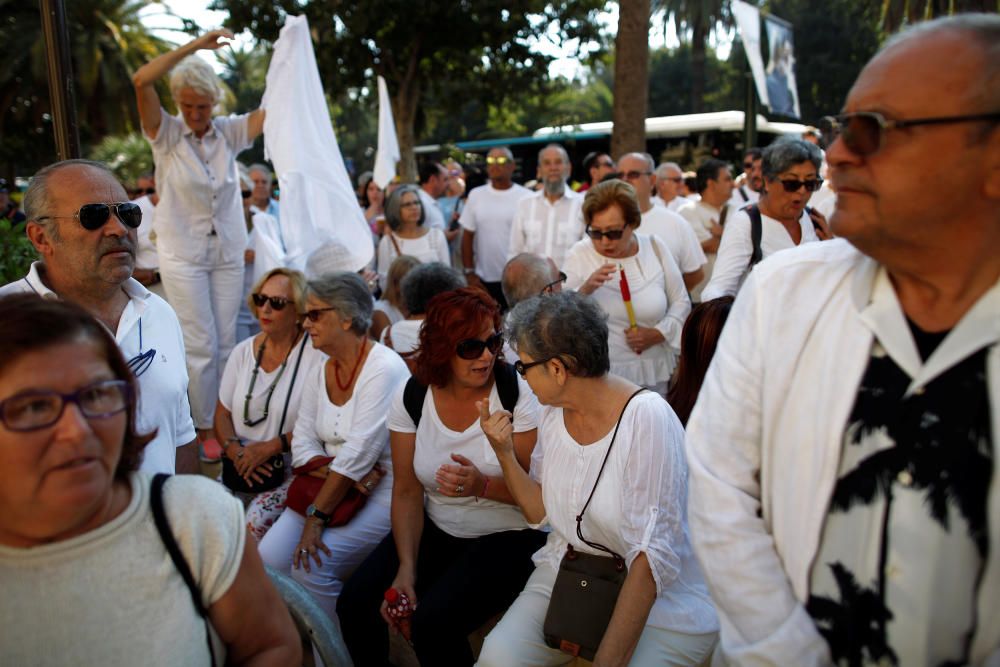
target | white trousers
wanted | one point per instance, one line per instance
(350, 546)
(518, 639)
(206, 298)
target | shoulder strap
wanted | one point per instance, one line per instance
(743, 193)
(506, 379)
(392, 237)
(809, 211)
(413, 399)
(291, 385)
(756, 231)
(167, 537)
(722, 216)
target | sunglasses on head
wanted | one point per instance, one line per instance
(611, 234)
(472, 348)
(793, 184)
(277, 302)
(863, 132)
(93, 216)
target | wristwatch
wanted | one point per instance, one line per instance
(469, 271)
(311, 511)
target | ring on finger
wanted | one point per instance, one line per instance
(460, 489)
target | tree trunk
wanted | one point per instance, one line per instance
(699, 35)
(404, 111)
(631, 78)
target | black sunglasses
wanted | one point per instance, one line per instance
(277, 302)
(93, 216)
(863, 132)
(523, 368)
(472, 348)
(612, 234)
(793, 185)
(558, 281)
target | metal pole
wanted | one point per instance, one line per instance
(750, 109)
(62, 95)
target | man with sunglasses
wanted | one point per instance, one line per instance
(486, 222)
(147, 262)
(708, 214)
(84, 229)
(669, 178)
(844, 491)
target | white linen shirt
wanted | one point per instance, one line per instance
(639, 505)
(199, 188)
(677, 234)
(354, 433)
(435, 443)
(547, 229)
(489, 214)
(431, 247)
(147, 322)
(778, 380)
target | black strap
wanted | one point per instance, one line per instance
(413, 399)
(167, 537)
(743, 193)
(756, 231)
(291, 385)
(579, 517)
(414, 393)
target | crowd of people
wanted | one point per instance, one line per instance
(751, 424)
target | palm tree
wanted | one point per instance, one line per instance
(695, 20)
(631, 77)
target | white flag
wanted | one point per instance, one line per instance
(748, 21)
(388, 146)
(318, 203)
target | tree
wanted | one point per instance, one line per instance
(484, 47)
(694, 21)
(631, 77)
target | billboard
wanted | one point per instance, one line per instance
(775, 82)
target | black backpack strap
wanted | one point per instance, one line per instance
(506, 379)
(413, 399)
(167, 536)
(809, 211)
(756, 231)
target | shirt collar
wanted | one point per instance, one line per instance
(188, 132)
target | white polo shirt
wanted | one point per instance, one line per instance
(433, 217)
(147, 323)
(547, 229)
(677, 234)
(489, 214)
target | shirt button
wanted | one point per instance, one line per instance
(905, 478)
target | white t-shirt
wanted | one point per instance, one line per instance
(701, 217)
(145, 252)
(147, 323)
(677, 234)
(431, 247)
(733, 262)
(405, 335)
(736, 200)
(390, 311)
(465, 516)
(544, 228)
(113, 596)
(639, 505)
(661, 303)
(489, 213)
(354, 433)
(433, 217)
(673, 204)
(236, 384)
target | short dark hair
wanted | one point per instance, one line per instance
(753, 152)
(423, 282)
(709, 171)
(428, 170)
(590, 159)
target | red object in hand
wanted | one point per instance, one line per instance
(623, 284)
(400, 611)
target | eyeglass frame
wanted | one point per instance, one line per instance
(111, 207)
(810, 184)
(632, 174)
(494, 341)
(838, 123)
(522, 368)
(72, 397)
(550, 286)
(263, 298)
(313, 313)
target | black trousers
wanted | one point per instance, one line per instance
(461, 583)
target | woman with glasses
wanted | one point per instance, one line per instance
(645, 329)
(599, 435)
(407, 235)
(264, 252)
(340, 438)
(791, 174)
(78, 531)
(460, 550)
(260, 395)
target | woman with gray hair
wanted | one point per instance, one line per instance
(407, 235)
(791, 174)
(200, 228)
(603, 439)
(341, 437)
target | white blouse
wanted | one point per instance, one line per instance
(465, 516)
(658, 303)
(354, 433)
(236, 383)
(638, 507)
(431, 247)
(390, 311)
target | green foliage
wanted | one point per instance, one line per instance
(17, 254)
(670, 82)
(128, 155)
(897, 13)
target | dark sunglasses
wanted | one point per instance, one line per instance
(472, 348)
(93, 216)
(552, 285)
(611, 235)
(793, 185)
(633, 175)
(313, 315)
(523, 368)
(863, 132)
(277, 302)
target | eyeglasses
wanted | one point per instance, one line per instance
(632, 175)
(246, 193)
(472, 348)
(408, 204)
(277, 302)
(523, 368)
(675, 179)
(499, 159)
(93, 216)
(552, 285)
(313, 315)
(33, 410)
(611, 234)
(793, 184)
(863, 132)
(748, 165)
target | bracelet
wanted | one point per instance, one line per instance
(486, 485)
(285, 445)
(230, 439)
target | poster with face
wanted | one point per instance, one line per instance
(748, 22)
(782, 92)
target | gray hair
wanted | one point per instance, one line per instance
(37, 203)
(661, 171)
(525, 276)
(194, 73)
(787, 152)
(644, 157)
(262, 168)
(394, 206)
(558, 147)
(426, 281)
(565, 325)
(348, 294)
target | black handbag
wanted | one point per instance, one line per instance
(234, 481)
(587, 586)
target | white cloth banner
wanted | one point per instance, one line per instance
(748, 23)
(318, 204)
(388, 146)
(782, 90)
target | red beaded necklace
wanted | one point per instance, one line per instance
(357, 365)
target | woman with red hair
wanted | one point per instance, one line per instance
(460, 549)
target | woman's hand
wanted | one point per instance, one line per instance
(602, 275)
(214, 39)
(252, 460)
(403, 583)
(310, 544)
(459, 481)
(498, 427)
(368, 483)
(642, 338)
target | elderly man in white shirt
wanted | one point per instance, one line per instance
(708, 215)
(844, 485)
(84, 228)
(200, 227)
(549, 221)
(669, 177)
